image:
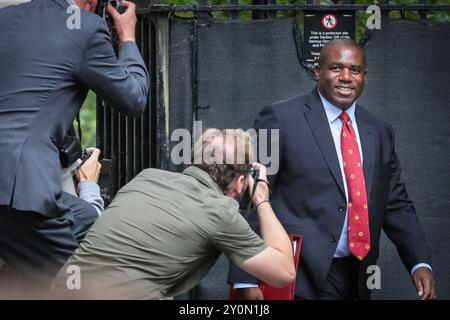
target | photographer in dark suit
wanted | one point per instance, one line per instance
(82, 193)
(50, 56)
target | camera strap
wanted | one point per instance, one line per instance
(255, 184)
(256, 180)
(80, 134)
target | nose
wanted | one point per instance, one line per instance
(345, 75)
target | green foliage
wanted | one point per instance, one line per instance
(361, 16)
(88, 121)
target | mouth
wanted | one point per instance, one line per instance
(344, 91)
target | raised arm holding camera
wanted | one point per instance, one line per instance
(51, 53)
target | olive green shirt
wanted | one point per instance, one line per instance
(159, 237)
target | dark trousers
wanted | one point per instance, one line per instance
(342, 280)
(35, 247)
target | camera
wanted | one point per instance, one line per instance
(84, 156)
(254, 173)
(101, 11)
(70, 151)
(245, 202)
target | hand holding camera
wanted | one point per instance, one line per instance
(89, 168)
(261, 192)
(124, 22)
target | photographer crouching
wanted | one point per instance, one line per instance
(47, 67)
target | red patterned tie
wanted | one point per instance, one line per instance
(358, 211)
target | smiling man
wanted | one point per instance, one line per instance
(341, 73)
(339, 185)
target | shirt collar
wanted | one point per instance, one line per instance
(62, 3)
(333, 112)
(203, 177)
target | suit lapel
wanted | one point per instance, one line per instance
(367, 145)
(317, 120)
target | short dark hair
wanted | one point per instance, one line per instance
(224, 145)
(339, 41)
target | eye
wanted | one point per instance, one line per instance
(335, 68)
(355, 71)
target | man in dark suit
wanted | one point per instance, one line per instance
(50, 56)
(339, 185)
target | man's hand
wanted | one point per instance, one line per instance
(262, 189)
(249, 294)
(90, 170)
(424, 282)
(125, 23)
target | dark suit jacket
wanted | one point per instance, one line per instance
(46, 71)
(309, 198)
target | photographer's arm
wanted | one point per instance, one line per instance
(268, 121)
(87, 176)
(125, 24)
(275, 264)
(90, 192)
(122, 82)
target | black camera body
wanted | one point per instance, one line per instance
(71, 150)
(245, 202)
(254, 173)
(84, 156)
(101, 11)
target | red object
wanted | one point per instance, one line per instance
(271, 293)
(358, 211)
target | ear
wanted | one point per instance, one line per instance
(240, 184)
(316, 71)
(92, 5)
(236, 188)
(88, 5)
